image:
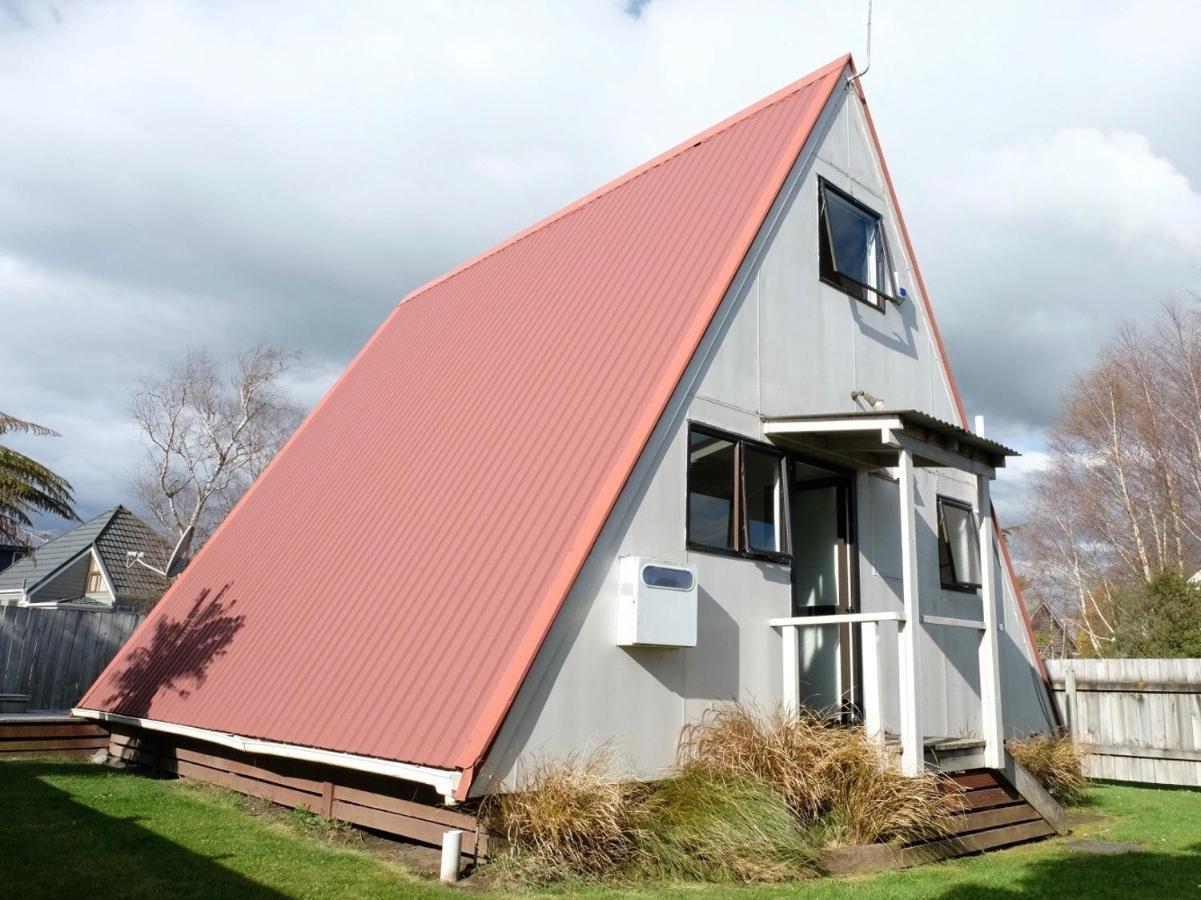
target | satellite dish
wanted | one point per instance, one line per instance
(175, 564)
(178, 560)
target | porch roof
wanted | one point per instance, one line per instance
(873, 438)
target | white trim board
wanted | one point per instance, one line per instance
(444, 781)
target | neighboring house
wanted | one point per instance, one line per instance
(692, 439)
(1055, 634)
(90, 567)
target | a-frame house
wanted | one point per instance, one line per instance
(692, 439)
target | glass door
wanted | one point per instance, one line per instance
(823, 584)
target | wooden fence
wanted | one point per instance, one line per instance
(1138, 719)
(53, 655)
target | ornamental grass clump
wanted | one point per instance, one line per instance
(569, 819)
(833, 777)
(705, 826)
(1055, 762)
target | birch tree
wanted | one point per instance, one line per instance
(1120, 501)
(208, 433)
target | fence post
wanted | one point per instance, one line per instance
(1072, 700)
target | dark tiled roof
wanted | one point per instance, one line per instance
(53, 555)
(114, 533)
(127, 533)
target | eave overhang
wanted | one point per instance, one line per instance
(872, 439)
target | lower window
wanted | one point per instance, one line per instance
(737, 495)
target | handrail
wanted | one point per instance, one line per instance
(837, 619)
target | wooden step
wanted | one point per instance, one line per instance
(976, 842)
(995, 815)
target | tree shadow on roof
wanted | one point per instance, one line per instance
(178, 654)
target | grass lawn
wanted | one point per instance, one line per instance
(69, 829)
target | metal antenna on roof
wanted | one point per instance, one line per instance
(868, 56)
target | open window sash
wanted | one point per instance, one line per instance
(858, 249)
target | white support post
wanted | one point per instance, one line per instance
(792, 667)
(452, 851)
(912, 747)
(990, 667)
(873, 706)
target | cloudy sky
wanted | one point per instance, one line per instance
(178, 174)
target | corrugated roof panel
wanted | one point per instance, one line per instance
(383, 588)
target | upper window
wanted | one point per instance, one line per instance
(958, 546)
(736, 496)
(853, 252)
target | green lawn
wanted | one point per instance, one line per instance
(68, 829)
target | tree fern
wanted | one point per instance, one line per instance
(26, 486)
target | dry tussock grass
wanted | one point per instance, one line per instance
(832, 777)
(1055, 762)
(752, 795)
(569, 818)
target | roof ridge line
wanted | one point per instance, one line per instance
(620, 181)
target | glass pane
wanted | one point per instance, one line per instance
(962, 543)
(857, 244)
(764, 499)
(663, 577)
(815, 547)
(710, 491)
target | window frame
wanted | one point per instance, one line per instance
(865, 292)
(741, 548)
(962, 587)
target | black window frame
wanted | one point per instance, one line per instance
(944, 547)
(741, 542)
(852, 287)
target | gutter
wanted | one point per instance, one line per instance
(444, 781)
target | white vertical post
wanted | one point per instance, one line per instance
(873, 706)
(912, 748)
(452, 849)
(792, 667)
(990, 667)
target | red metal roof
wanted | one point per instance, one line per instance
(383, 588)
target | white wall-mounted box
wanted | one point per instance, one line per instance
(657, 603)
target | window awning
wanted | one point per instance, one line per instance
(873, 438)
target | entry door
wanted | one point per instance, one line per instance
(823, 583)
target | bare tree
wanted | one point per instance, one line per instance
(1120, 501)
(209, 434)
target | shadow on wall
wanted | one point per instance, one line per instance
(178, 654)
(1144, 874)
(94, 854)
(900, 340)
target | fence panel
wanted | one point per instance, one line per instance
(54, 655)
(1137, 719)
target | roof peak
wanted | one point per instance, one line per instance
(639, 170)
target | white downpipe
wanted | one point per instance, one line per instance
(452, 851)
(444, 781)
